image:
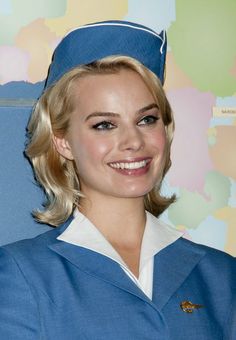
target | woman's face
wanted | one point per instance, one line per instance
(116, 137)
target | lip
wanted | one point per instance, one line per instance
(132, 172)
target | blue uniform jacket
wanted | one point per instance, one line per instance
(53, 290)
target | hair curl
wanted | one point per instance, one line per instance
(51, 116)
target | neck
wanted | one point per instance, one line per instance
(120, 220)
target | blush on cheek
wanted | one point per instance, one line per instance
(95, 150)
(159, 141)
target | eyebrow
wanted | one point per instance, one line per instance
(113, 114)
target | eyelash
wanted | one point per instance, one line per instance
(153, 120)
(107, 125)
(104, 125)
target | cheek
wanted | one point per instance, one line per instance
(92, 149)
(159, 140)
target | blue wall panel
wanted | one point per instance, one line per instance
(18, 192)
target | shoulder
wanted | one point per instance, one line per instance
(30, 250)
(186, 251)
(208, 251)
(202, 261)
(213, 261)
(24, 273)
(28, 245)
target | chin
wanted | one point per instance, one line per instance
(134, 192)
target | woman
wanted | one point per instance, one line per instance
(100, 139)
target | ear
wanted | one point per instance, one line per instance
(63, 147)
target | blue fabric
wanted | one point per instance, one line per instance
(53, 290)
(89, 43)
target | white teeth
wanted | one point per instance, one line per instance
(130, 165)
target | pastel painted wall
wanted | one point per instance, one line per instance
(200, 83)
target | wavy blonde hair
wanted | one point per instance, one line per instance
(51, 116)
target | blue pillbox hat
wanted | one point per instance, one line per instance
(86, 44)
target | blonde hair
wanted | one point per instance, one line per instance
(51, 116)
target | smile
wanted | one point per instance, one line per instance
(130, 165)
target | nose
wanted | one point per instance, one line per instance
(131, 139)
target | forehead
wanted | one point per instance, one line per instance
(124, 86)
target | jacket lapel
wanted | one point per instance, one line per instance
(99, 266)
(171, 268)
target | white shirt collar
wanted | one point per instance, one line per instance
(157, 235)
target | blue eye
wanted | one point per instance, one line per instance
(103, 126)
(148, 120)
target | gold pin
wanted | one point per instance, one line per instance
(188, 306)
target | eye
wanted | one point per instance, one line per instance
(148, 120)
(105, 125)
